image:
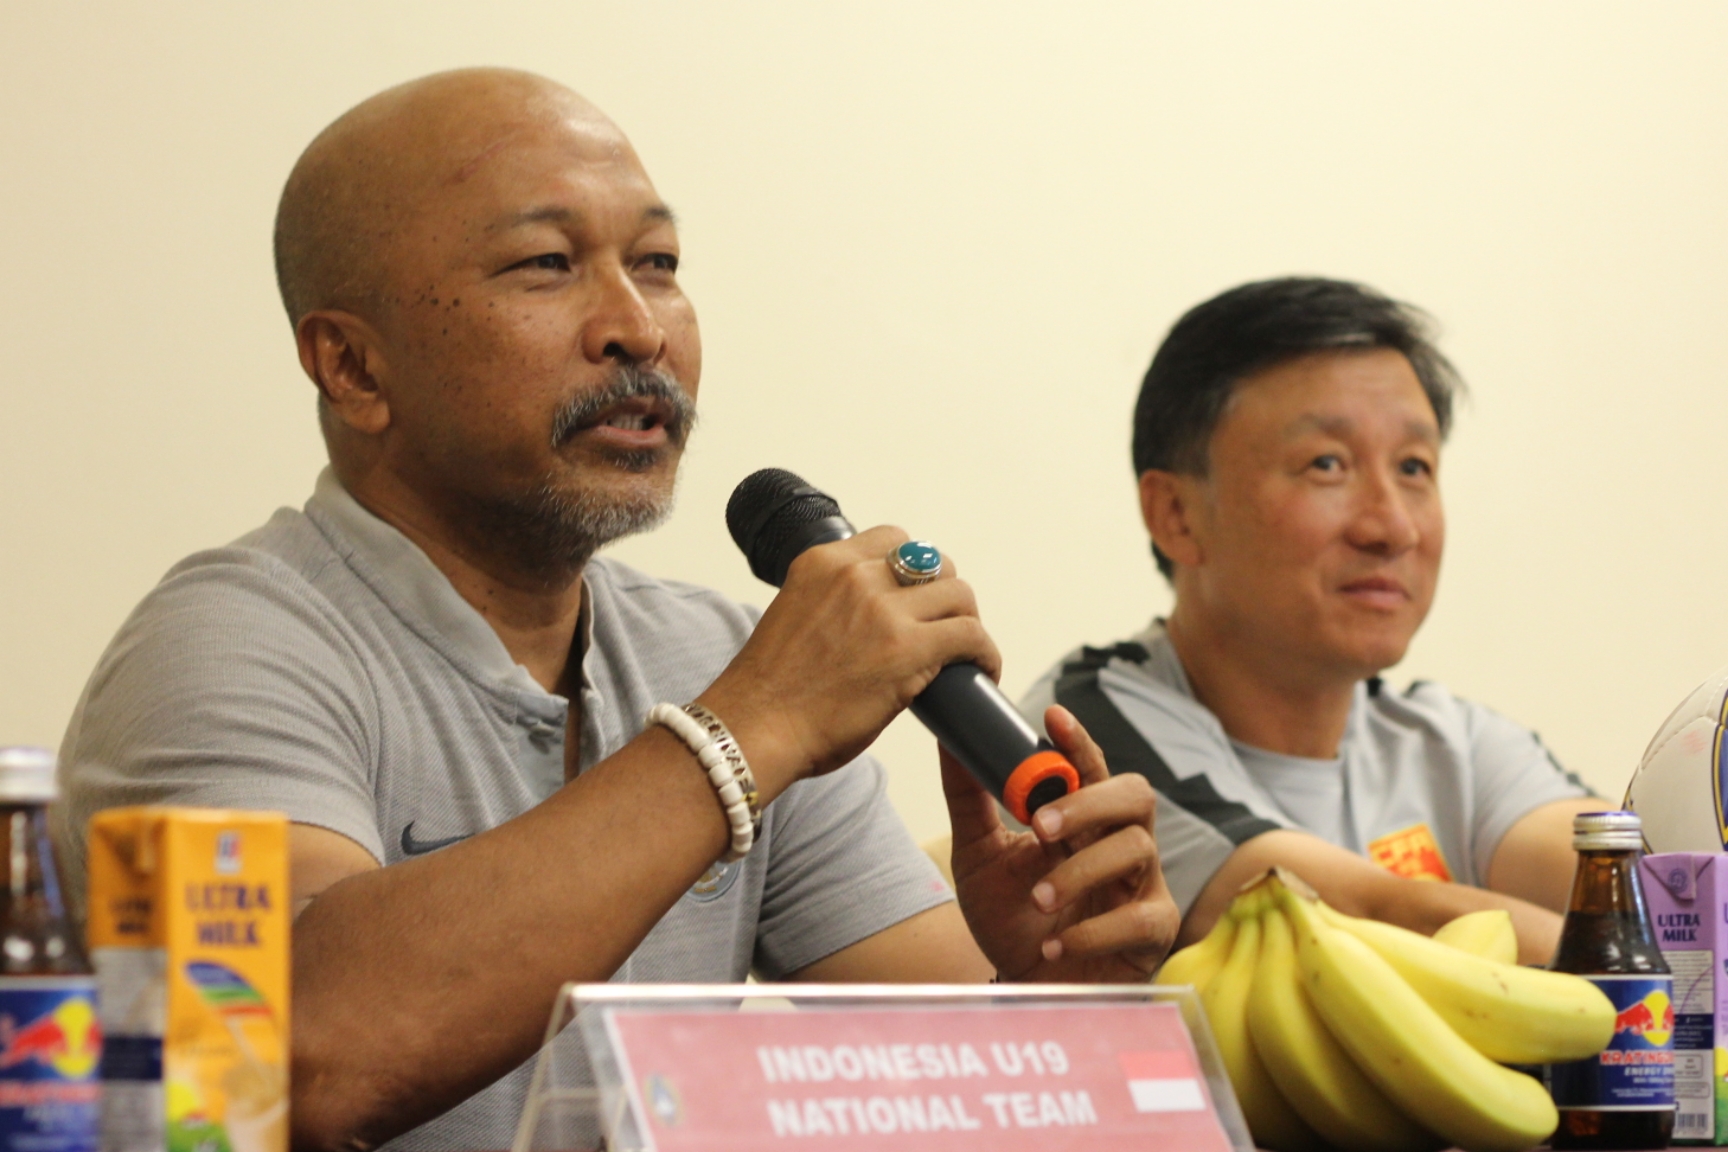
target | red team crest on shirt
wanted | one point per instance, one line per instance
(1412, 853)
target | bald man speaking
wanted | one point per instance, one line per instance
(428, 669)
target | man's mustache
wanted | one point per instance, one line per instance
(629, 382)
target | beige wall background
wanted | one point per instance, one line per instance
(933, 247)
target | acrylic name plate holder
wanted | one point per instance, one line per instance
(844, 1068)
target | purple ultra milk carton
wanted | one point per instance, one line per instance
(1688, 897)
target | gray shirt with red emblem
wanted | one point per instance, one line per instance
(1424, 783)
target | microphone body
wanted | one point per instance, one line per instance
(773, 516)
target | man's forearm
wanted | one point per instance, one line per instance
(1425, 905)
(419, 984)
(1357, 886)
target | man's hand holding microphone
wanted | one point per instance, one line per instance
(867, 624)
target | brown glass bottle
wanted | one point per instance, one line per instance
(1623, 1098)
(50, 1038)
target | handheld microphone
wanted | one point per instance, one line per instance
(773, 516)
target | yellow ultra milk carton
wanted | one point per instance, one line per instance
(188, 931)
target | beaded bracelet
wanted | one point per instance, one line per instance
(728, 746)
(717, 751)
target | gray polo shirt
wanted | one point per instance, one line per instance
(323, 666)
(1424, 783)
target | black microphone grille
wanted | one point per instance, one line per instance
(767, 514)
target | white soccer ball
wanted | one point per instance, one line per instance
(1678, 787)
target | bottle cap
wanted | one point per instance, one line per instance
(27, 776)
(1607, 831)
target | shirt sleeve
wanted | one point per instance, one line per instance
(1514, 774)
(233, 685)
(842, 867)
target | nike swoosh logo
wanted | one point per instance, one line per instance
(413, 847)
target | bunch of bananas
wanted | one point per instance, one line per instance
(1354, 1034)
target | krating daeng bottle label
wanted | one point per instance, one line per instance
(1636, 1070)
(50, 1048)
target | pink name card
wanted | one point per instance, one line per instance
(1031, 1076)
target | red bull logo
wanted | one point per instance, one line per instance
(68, 1040)
(1651, 1019)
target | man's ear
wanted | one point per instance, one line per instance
(343, 356)
(1168, 504)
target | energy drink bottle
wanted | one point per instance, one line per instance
(1623, 1097)
(50, 1040)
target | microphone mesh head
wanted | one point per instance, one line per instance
(767, 511)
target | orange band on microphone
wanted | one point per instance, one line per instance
(1033, 771)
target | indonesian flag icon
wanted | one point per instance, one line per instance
(1164, 1081)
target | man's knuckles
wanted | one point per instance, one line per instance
(814, 565)
(1142, 927)
(945, 598)
(853, 552)
(1128, 853)
(1126, 800)
(964, 638)
(873, 545)
(1145, 925)
(1137, 842)
(1140, 794)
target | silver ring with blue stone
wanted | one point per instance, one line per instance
(915, 562)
